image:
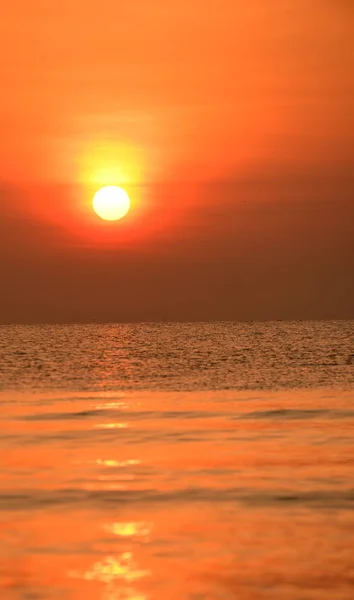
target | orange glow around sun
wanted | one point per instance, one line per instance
(111, 203)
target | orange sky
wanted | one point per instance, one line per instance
(243, 83)
(245, 101)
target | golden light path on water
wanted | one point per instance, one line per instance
(117, 573)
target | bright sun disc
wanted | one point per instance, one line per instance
(111, 203)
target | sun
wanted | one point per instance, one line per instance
(111, 203)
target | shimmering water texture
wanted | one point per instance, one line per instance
(194, 462)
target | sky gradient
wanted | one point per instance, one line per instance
(232, 129)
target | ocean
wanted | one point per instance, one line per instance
(205, 461)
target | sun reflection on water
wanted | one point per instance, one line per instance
(112, 426)
(113, 568)
(116, 572)
(132, 529)
(116, 463)
(110, 405)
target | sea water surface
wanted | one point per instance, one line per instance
(177, 461)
